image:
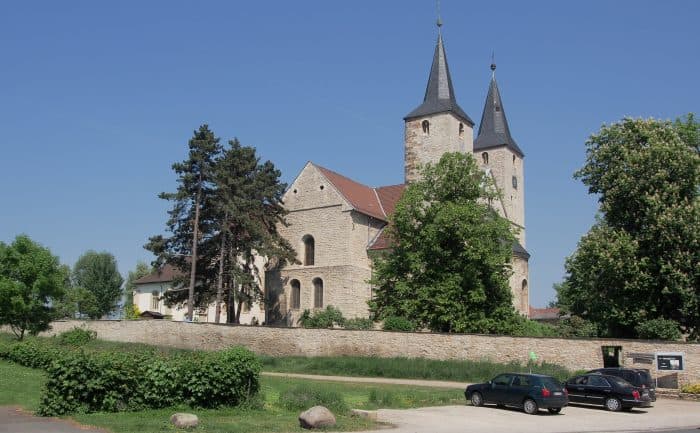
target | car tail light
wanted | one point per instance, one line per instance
(546, 392)
(635, 394)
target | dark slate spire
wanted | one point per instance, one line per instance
(439, 95)
(493, 129)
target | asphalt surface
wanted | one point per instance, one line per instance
(15, 420)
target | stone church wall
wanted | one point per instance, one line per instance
(574, 354)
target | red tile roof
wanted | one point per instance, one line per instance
(165, 274)
(375, 202)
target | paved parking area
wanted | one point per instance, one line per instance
(666, 414)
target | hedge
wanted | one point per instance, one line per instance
(83, 382)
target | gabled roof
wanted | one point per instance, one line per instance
(544, 313)
(439, 94)
(375, 202)
(519, 250)
(493, 129)
(165, 274)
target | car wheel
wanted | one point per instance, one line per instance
(477, 399)
(554, 409)
(612, 404)
(530, 406)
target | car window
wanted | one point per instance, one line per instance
(550, 383)
(522, 381)
(620, 381)
(503, 379)
(598, 381)
(581, 380)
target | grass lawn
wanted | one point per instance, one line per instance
(22, 386)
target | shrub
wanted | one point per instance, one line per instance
(693, 388)
(327, 318)
(76, 337)
(111, 382)
(531, 328)
(302, 397)
(659, 329)
(359, 323)
(576, 326)
(33, 354)
(396, 323)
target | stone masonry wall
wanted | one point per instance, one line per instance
(575, 354)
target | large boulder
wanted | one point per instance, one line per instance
(317, 416)
(184, 420)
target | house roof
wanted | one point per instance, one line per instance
(439, 94)
(519, 250)
(544, 313)
(376, 202)
(493, 129)
(165, 274)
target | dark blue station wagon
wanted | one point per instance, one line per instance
(530, 392)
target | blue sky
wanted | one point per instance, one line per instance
(98, 99)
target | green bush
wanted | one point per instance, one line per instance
(111, 381)
(396, 323)
(31, 353)
(76, 337)
(659, 329)
(359, 323)
(576, 326)
(303, 397)
(531, 328)
(328, 318)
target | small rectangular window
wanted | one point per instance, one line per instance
(515, 182)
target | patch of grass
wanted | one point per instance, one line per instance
(21, 386)
(405, 368)
(267, 414)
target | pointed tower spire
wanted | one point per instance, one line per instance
(439, 94)
(493, 129)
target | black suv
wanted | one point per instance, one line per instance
(636, 376)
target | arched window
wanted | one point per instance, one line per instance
(296, 295)
(309, 247)
(426, 127)
(318, 293)
(155, 301)
(524, 285)
(461, 130)
(485, 157)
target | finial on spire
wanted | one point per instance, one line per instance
(439, 18)
(493, 64)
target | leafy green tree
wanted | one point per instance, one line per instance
(188, 225)
(97, 273)
(77, 302)
(449, 266)
(141, 270)
(31, 280)
(640, 261)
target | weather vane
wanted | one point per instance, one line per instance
(439, 19)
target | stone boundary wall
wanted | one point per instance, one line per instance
(574, 354)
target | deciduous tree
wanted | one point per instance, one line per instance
(449, 266)
(641, 260)
(98, 274)
(31, 280)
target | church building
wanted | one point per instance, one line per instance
(336, 223)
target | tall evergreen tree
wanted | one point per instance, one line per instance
(188, 225)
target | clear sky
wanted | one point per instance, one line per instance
(98, 99)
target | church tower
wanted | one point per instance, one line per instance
(496, 151)
(439, 124)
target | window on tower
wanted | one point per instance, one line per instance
(485, 157)
(426, 127)
(461, 130)
(515, 182)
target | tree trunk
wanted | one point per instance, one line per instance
(238, 313)
(220, 282)
(193, 267)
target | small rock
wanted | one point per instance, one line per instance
(184, 420)
(369, 414)
(317, 416)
